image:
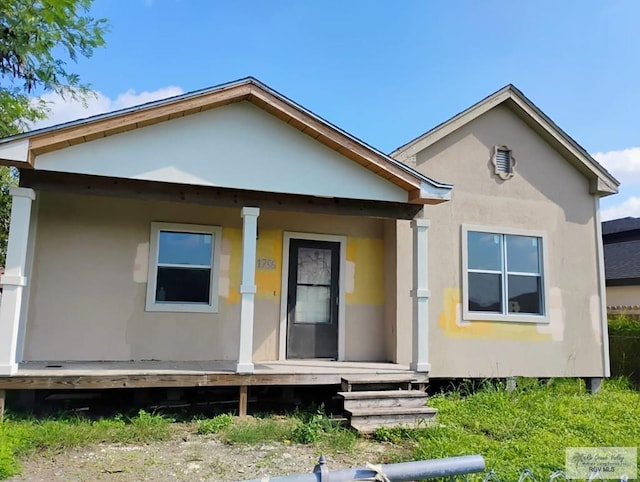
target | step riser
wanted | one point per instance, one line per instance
(365, 387)
(371, 427)
(386, 402)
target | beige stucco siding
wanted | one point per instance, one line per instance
(546, 195)
(623, 295)
(88, 288)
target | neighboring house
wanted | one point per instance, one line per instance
(230, 236)
(621, 239)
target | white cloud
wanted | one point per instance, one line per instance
(65, 110)
(629, 207)
(624, 164)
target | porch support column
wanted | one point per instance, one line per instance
(247, 288)
(420, 294)
(14, 279)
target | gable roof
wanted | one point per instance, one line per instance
(22, 150)
(602, 182)
(621, 225)
(621, 238)
(622, 263)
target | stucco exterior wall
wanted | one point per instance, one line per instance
(623, 295)
(547, 195)
(88, 287)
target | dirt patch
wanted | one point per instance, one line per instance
(191, 457)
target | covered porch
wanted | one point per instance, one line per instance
(64, 311)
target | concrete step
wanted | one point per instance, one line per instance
(369, 420)
(386, 398)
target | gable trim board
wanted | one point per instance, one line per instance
(420, 189)
(602, 183)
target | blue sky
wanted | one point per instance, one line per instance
(388, 71)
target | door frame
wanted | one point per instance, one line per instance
(284, 291)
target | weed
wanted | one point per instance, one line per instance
(215, 424)
(317, 428)
(397, 435)
(623, 325)
(255, 430)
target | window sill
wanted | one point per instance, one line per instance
(181, 308)
(472, 316)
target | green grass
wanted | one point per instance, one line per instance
(255, 430)
(529, 428)
(623, 325)
(312, 427)
(20, 437)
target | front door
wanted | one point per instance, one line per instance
(312, 304)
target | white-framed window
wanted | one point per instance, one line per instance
(183, 268)
(503, 274)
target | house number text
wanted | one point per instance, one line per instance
(265, 263)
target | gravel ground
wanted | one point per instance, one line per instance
(191, 457)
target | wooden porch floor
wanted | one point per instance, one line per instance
(83, 375)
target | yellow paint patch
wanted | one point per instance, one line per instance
(364, 257)
(269, 268)
(451, 323)
(367, 273)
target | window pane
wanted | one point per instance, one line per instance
(485, 292)
(524, 294)
(313, 304)
(183, 285)
(485, 251)
(314, 266)
(523, 254)
(185, 248)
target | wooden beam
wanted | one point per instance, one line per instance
(51, 141)
(2, 398)
(242, 405)
(71, 382)
(212, 196)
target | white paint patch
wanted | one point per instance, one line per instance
(594, 314)
(141, 263)
(459, 320)
(223, 286)
(555, 327)
(350, 284)
(225, 263)
(175, 174)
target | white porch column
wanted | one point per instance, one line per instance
(420, 294)
(247, 288)
(14, 279)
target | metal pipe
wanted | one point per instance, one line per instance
(403, 472)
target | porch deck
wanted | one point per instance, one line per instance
(147, 374)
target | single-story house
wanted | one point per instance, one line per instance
(621, 238)
(231, 236)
